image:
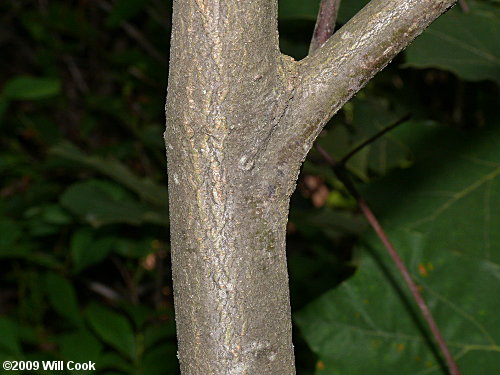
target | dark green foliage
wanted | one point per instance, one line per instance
(84, 262)
(439, 215)
(83, 218)
(472, 53)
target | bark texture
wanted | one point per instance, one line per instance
(241, 118)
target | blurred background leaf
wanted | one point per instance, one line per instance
(62, 296)
(113, 329)
(102, 202)
(145, 188)
(30, 88)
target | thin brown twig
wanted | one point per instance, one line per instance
(76, 73)
(363, 144)
(135, 34)
(345, 179)
(464, 6)
(128, 279)
(325, 23)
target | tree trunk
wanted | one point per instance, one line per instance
(241, 118)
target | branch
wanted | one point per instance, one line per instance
(325, 23)
(346, 62)
(464, 6)
(417, 296)
(365, 143)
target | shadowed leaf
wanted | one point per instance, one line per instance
(441, 218)
(463, 43)
(95, 203)
(30, 88)
(113, 328)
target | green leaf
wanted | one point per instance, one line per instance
(134, 249)
(86, 250)
(97, 203)
(369, 325)
(55, 214)
(451, 193)
(331, 222)
(10, 337)
(113, 328)
(440, 218)
(138, 314)
(80, 346)
(145, 188)
(114, 361)
(62, 297)
(160, 360)
(463, 43)
(159, 332)
(31, 88)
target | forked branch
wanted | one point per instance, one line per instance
(348, 60)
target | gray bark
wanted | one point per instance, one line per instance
(241, 118)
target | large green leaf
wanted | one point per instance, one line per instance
(451, 194)
(463, 43)
(441, 215)
(113, 328)
(30, 88)
(369, 326)
(99, 205)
